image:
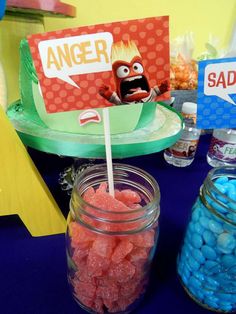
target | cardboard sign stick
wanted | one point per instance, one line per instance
(107, 136)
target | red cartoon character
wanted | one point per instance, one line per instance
(132, 85)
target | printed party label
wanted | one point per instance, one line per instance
(66, 57)
(217, 94)
(103, 65)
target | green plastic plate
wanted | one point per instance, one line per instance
(162, 132)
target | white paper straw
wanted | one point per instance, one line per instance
(107, 135)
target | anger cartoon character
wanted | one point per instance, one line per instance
(131, 82)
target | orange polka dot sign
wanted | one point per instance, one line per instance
(103, 65)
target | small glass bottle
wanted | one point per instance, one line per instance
(109, 252)
(222, 150)
(182, 153)
(207, 260)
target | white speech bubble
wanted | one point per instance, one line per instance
(220, 80)
(76, 55)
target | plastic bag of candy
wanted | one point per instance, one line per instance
(183, 68)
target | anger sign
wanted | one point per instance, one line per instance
(217, 94)
(104, 65)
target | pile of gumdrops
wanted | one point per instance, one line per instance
(110, 271)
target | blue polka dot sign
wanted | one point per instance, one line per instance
(217, 94)
(2, 8)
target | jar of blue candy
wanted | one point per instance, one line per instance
(207, 261)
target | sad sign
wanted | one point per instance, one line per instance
(64, 57)
(220, 80)
(217, 94)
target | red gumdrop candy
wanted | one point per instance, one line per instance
(106, 202)
(109, 304)
(98, 306)
(97, 264)
(129, 288)
(82, 275)
(110, 292)
(85, 301)
(103, 246)
(88, 194)
(121, 272)
(80, 235)
(84, 289)
(79, 255)
(121, 250)
(138, 254)
(123, 303)
(135, 206)
(128, 197)
(144, 239)
(102, 188)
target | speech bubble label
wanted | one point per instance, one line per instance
(220, 80)
(64, 57)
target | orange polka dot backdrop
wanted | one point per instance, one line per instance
(151, 36)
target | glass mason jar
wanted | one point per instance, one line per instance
(207, 261)
(111, 243)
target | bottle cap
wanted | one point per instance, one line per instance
(189, 108)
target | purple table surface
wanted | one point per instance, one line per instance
(33, 276)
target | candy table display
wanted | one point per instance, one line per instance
(111, 240)
(207, 261)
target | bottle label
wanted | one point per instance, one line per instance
(223, 150)
(189, 118)
(184, 148)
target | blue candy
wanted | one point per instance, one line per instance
(207, 264)
(232, 205)
(208, 252)
(226, 243)
(211, 284)
(215, 226)
(186, 273)
(199, 275)
(198, 228)
(218, 196)
(232, 194)
(220, 208)
(230, 188)
(196, 240)
(209, 199)
(185, 250)
(204, 221)
(224, 296)
(209, 237)
(226, 308)
(193, 264)
(222, 180)
(208, 292)
(211, 304)
(198, 256)
(199, 294)
(195, 215)
(191, 226)
(195, 282)
(220, 187)
(231, 217)
(228, 261)
(211, 268)
(185, 280)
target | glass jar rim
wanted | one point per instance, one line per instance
(209, 186)
(156, 191)
(108, 222)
